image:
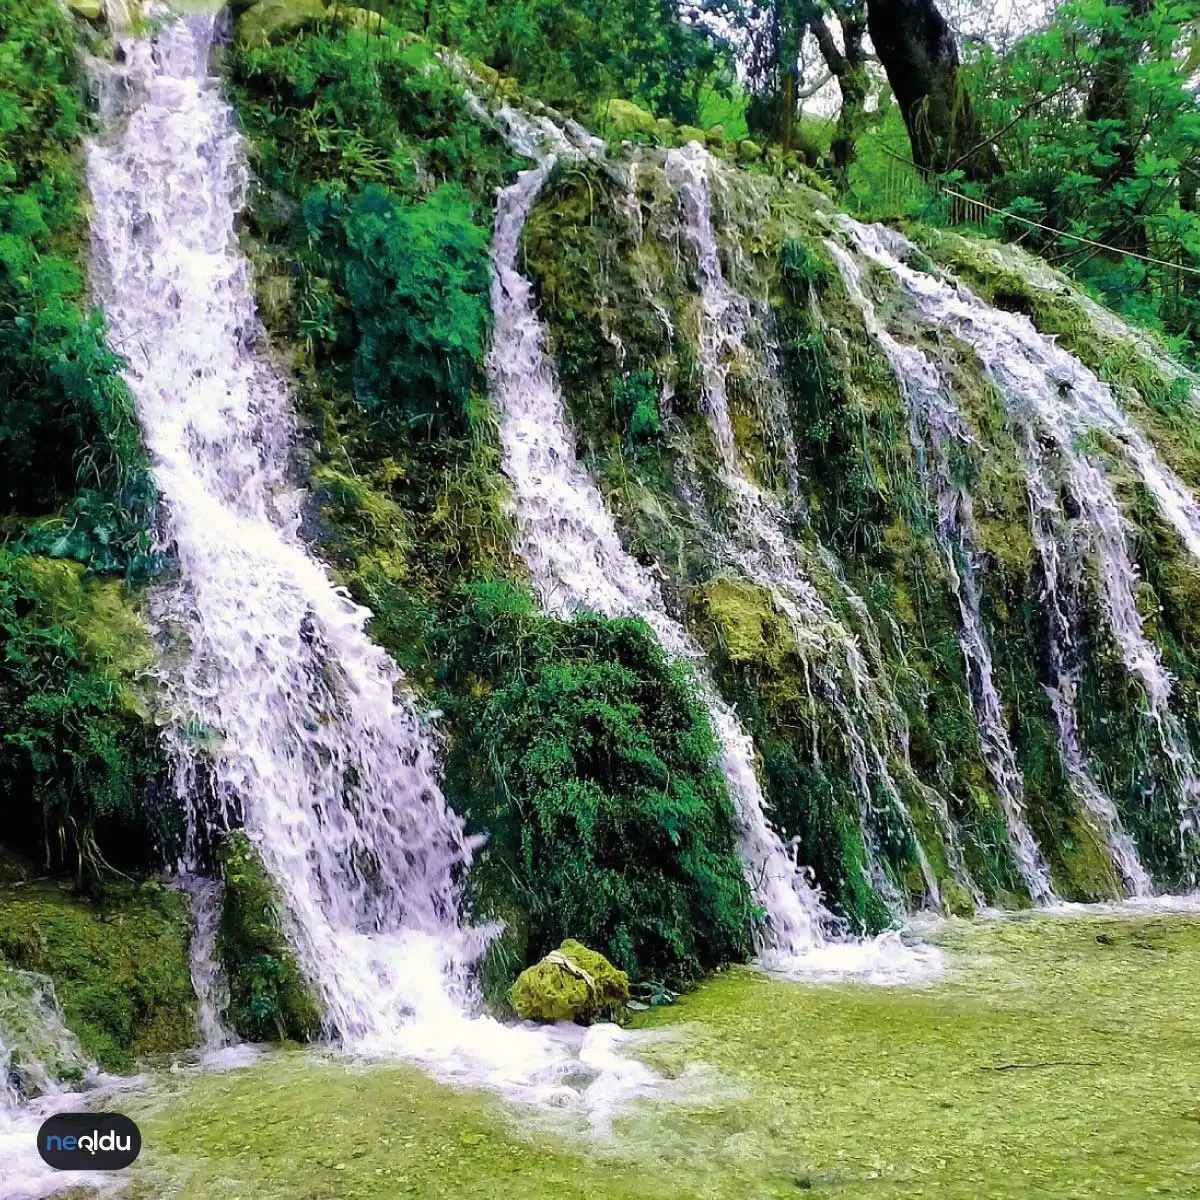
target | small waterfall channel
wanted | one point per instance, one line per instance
(1053, 401)
(308, 735)
(762, 549)
(577, 562)
(40, 1064)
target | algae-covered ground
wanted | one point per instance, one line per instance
(1059, 1056)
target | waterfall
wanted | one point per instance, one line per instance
(934, 424)
(763, 549)
(1051, 396)
(324, 758)
(575, 558)
(40, 1060)
(208, 977)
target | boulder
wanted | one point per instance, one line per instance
(571, 983)
(624, 119)
(89, 10)
(748, 151)
(690, 133)
(716, 135)
(270, 20)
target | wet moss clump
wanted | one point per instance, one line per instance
(587, 758)
(269, 998)
(118, 959)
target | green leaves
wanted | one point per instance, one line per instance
(586, 757)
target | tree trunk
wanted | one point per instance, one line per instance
(787, 109)
(1110, 105)
(917, 50)
(849, 69)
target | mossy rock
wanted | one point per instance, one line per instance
(743, 620)
(749, 152)
(89, 10)
(98, 611)
(956, 899)
(624, 119)
(270, 20)
(715, 136)
(119, 964)
(366, 20)
(691, 133)
(571, 983)
(269, 998)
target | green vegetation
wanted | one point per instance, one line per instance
(74, 471)
(268, 996)
(984, 1083)
(78, 760)
(571, 983)
(118, 959)
(587, 759)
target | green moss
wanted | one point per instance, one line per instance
(956, 1082)
(571, 983)
(118, 960)
(269, 998)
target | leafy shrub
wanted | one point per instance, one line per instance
(68, 432)
(585, 756)
(78, 761)
(119, 963)
(268, 996)
(416, 279)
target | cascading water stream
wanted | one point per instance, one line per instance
(208, 978)
(1050, 395)
(315, 745)
(40, 1061)
(575, 558)
(934, 425)
(763, 549)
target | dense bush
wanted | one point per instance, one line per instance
(69, 440)
(586, 757)
(268, 996)
(78, 760)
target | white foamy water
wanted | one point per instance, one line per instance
(40, 1062)
(208, 978)
(762, 548)
(577, 563)
(1051, 396)
(311, 736)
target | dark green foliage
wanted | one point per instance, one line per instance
(572, 54)
(269, 999)
(416, 279)
(68, 433)
(118, 960)
(78, 761)
(588, 760)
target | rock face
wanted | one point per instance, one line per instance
(269, 20)
(571, 983)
